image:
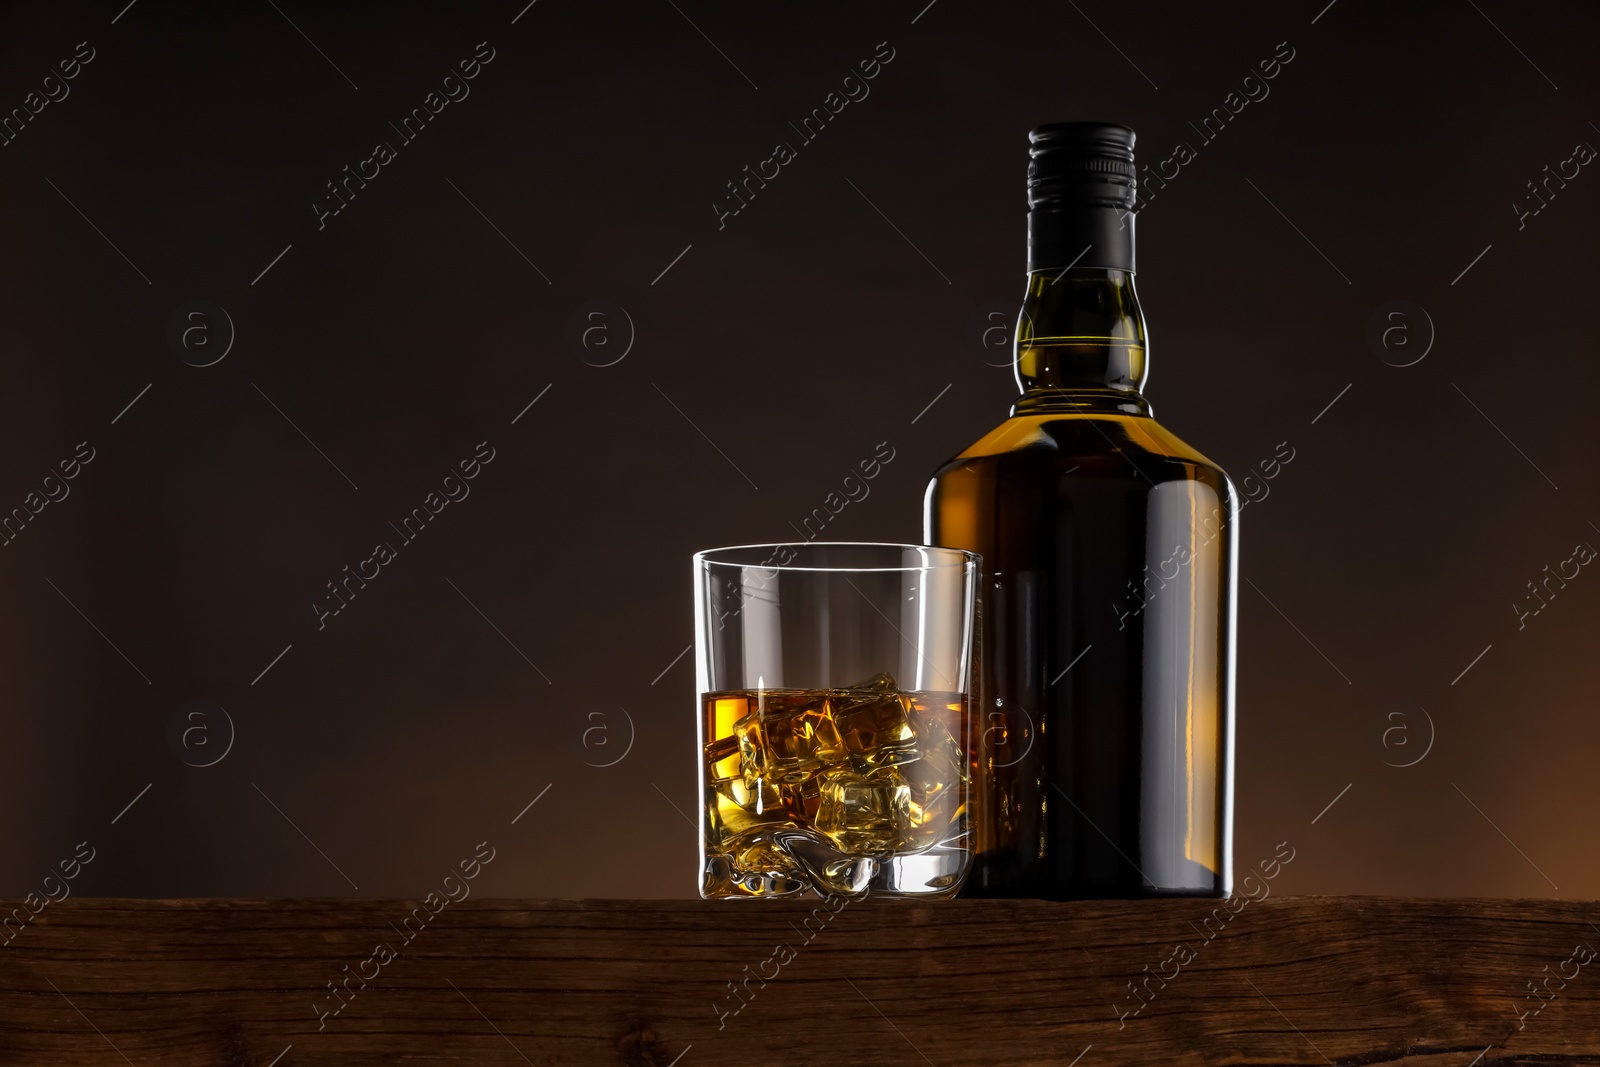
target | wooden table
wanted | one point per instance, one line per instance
(1282, 980)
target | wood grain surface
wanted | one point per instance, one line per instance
(1292, 980)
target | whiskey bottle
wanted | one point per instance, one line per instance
(1102, 743)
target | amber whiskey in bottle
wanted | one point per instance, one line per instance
(1102, 741)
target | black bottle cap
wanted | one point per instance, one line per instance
(1082, 189)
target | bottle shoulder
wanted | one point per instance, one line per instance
(1074, 436)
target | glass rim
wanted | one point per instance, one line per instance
(949, 557)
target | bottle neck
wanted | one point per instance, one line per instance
(1080, 344)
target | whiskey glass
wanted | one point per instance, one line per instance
(834, 682)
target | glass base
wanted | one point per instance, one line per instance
(805, 862)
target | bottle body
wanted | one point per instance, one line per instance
(1102, 744)
(1103, 740)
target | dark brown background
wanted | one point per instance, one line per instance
(796, 339)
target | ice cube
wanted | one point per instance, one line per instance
(787, 737)
(935, 803)
(722, 745)
(940, 724)
(735, 806)
(800, 801)
(874, 723)
(722, 759)
(864, 813)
